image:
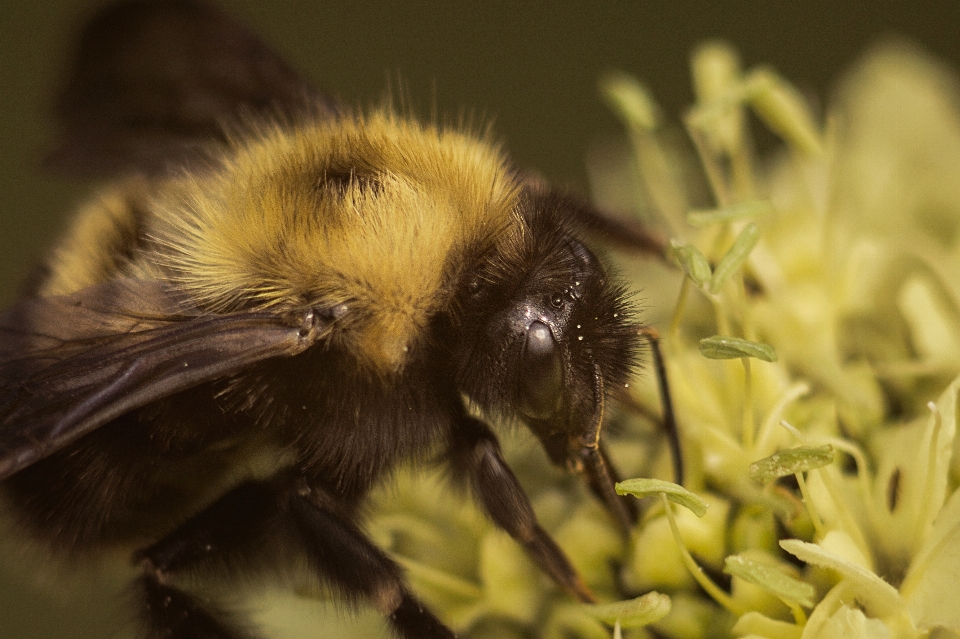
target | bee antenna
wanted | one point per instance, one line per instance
(669, 417)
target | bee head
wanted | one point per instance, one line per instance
(545, 333)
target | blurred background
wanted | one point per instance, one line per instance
(530, 67)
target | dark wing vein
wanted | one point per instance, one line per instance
(60, 383)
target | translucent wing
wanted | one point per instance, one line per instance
(71, 364)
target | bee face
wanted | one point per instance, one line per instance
(543, 324)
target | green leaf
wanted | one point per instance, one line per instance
(694, 264)
(634, 613)
(751, 209)
(770, 578)
(790, 462)
(731, 262)
(720, 347)
(644, 487)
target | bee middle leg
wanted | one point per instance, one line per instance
(248, 518)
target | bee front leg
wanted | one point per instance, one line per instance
(476, 458)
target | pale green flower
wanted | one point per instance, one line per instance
(841, 256)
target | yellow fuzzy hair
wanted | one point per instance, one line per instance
(269, 229)
(99, 241)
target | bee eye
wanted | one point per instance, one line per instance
(557, 300)
(541, 376)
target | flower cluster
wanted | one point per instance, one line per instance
(813, 351)
(813, 354)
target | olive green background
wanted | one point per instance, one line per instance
(531, 67)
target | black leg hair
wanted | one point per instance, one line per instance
(252, 515)
(343, 554)
(476, 458)
(244, 516)
(170, 613)
(224, 531)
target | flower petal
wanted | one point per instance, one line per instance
(753, 623)
(877, 596)
(634, 613)
(931, 585)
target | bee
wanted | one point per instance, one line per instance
(274, 303)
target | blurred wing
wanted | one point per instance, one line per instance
(70, 364)
(156, 82)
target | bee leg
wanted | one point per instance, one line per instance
(343, 555)
(224, 533)
(476, 458)
(173, 614)
(251, 516)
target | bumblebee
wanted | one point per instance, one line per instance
(275, 303)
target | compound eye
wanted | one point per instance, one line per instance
(541, 377)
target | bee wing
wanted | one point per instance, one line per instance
(157, 83)
(71, 364)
